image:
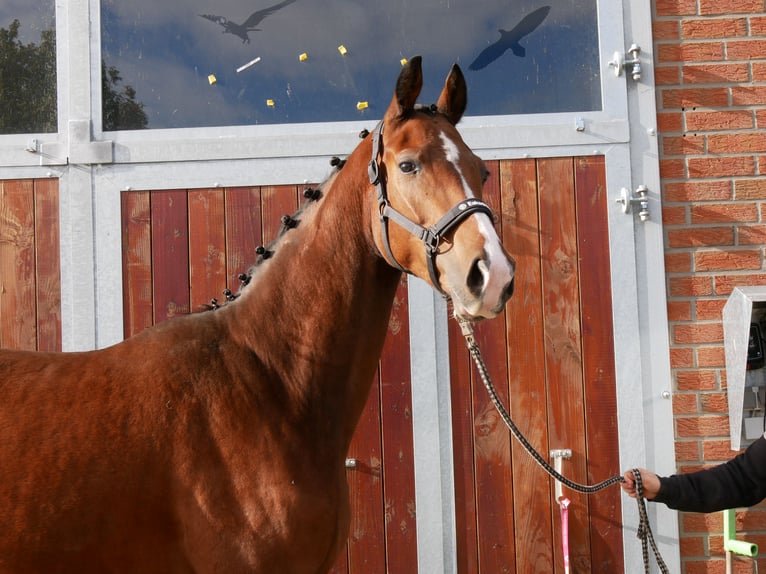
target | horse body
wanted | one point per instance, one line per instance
(216, 442)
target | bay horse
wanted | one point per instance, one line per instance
(215, 442)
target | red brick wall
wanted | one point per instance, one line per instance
(710, 73)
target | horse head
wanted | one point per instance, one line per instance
(433, 223)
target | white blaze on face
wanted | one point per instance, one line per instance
(499, 273)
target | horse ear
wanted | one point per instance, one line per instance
(454, 96)
(408, 87)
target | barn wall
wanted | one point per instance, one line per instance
(710, 58)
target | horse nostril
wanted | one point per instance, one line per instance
(475, 280)
(508, 291)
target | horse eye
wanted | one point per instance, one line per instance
(484, 175)
(408, 167)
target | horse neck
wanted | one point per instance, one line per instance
(316, 313)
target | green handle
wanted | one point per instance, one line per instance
(730, 543)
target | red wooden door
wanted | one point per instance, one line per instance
(181, 248)
(551, 358)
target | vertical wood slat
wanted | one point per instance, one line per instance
(494, 496)
(17, 265)
(276, 201)
(397, 445)
(526, 363)
(138, 312)
(207, 246)
(598, 361)
(243, 231)
(366, 542)
(170, 254)
(561, 307)
(47, 265)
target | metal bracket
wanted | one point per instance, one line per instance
(619, 62)
(557, 455)
(641, 199)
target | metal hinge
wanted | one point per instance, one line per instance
(620, 61)
(641, 198)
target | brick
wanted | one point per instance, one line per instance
(716, 73)
(724, 284)
(701, 236)
(745, 49)
(690, 52)
(719, 120)
(679, 311)
(760, 118)
(669, 122)
(711, 357)
(694, 97)
(758, 25)
(727, 260)
(759, 71)
(751, 235)
(672, 168)
(680, 262)
(762, 165)
(687, 450)
(706, 566)
(717, 451)
(709, 309)
(667, 76)
(695, 333)
(682, 357)
(683, 145)
(685, 404)
(707, 28)
(750, 188)
(666, 30)
(713, 190)
(711, 7)
(724, 213)
(750, 142)
(674, 215)
(691, 286)
(706, 167)
(675, 7)
(748, 95)
(692, 546)
(714, 403)
(709, 425)
(695, 380)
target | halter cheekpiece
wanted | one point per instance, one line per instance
(430, 236)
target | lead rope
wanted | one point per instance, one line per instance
(644, 529)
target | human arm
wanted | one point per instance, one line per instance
(740, 482)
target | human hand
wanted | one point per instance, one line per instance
(649, 481)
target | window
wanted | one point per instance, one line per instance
(27, 67)
(238, 62)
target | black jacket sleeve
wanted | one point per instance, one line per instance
(737, 483)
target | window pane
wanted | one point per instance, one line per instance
(27, 66)
(230, 62)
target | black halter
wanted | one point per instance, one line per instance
(431, 236)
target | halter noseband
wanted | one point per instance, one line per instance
(430, 236)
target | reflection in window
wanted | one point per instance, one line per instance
(27, 67)
(230, 62)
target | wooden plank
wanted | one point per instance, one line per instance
(561, 307)
(526, 363)
(494, 488)
(366, 541)
(598, 361)
(17, 265)
(47, 267)
(276, 201)
(243, 231)
(170, 254)
(463, 453)
(136, 262)
(207, 247)
(396, 429)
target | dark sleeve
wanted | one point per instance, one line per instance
(739, 482)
